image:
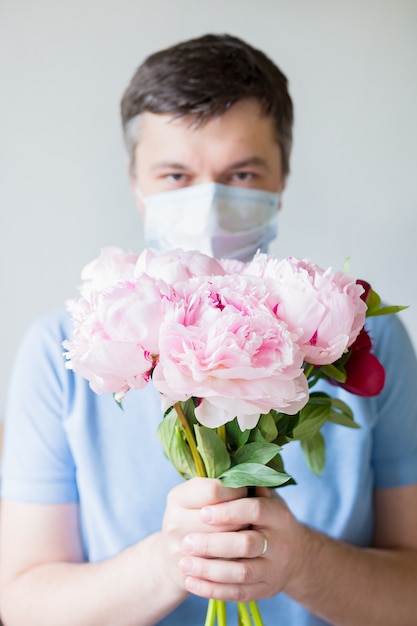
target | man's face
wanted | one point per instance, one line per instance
(238, 148)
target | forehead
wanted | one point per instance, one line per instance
(244, 128)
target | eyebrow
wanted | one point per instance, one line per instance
(162, 165)
(249, 162)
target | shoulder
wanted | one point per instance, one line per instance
(391, 341)
(40, 354)
(53, 325)
(393, 347)
(45, 334)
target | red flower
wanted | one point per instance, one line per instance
(365, 374)
(367, 287)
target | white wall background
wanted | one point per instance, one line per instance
(64, 192)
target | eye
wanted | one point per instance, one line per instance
(176, 177)
(242, 177)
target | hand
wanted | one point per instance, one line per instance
(184, 519)
(230, 562)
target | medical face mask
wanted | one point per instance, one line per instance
(218, 220)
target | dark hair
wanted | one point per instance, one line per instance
(204, 77)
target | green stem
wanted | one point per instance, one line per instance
(308, 369)
(211, 613)
(256, 615)
(221, 431)
(313, 381)
(201, 470)
(216, 608)
(244, 615)
(221, 613)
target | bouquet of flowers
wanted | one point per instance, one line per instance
(234, 350)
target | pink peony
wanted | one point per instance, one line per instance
(326, 308)
(232, 266)
(111, 266)
(221, 342)
(115, 342)
(177, 265)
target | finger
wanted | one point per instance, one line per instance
(230, 592)
(265, 492)
(179, 522)
(231, 545)
(265, 543)
(246, 511)
(200, 492)
(240, 572)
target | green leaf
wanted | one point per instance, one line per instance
(334, 372)
(285, 424)
(235, 436)
(253, 475)
(322, 408)
(373, 302)
(188, 409)
(118, 402)
(256, 452)
(213, 451)
(312, 419)
(314, 451)
(342, 420)
(386, 310)
(257, 436)
(175, 446)
(277, 464)
(267, 427)
(341, 414)
(319, 397)
(342, 407)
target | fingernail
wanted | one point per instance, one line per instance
(206, 514)
(191, 585)
(186, 565)
(188, 544)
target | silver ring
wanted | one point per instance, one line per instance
(265, 546)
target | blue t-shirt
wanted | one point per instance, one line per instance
(64, 443)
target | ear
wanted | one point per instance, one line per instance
(281, 190)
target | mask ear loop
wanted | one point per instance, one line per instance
(139, 193)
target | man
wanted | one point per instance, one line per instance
(96, 526)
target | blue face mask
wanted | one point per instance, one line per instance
(218, 220)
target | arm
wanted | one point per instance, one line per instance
(44, 581)
(342, 584)
(367, 586)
